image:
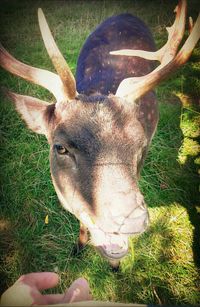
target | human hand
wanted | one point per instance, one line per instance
(26, 291)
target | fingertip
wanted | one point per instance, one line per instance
(21, 278)
(40, 280)
(82, 282)
(52, 278)
(78, 291)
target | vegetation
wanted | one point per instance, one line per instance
(36, 233)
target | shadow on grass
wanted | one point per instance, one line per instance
(191, 88)
(6, 244)
(188, 180)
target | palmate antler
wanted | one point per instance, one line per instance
(62, 86)
(134, 88)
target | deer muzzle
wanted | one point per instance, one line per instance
(115, 244)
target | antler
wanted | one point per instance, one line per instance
(57, 59)
(133, 88)
(42, 77)
(62, 86)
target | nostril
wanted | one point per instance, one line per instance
(143, 206)
(136, 222)
(138, 212)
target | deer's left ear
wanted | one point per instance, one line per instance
(34, 112)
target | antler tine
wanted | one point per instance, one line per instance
(191, 24)
(186, 50)
(38, 76)
(134, 88)
(175, 35)
(57, 59)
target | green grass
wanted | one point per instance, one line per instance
(163, 263)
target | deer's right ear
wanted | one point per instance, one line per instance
(35, 112)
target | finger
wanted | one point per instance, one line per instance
(78, 291)
(48, 299)
(40, 280)
(53, 298)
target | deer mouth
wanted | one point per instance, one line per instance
(113, 251)
(113, 246)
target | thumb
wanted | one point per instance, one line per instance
(78, 291)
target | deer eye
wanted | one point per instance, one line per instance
(61, 150)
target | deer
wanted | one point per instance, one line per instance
(101, 124)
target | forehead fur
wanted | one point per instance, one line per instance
(106, 124)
